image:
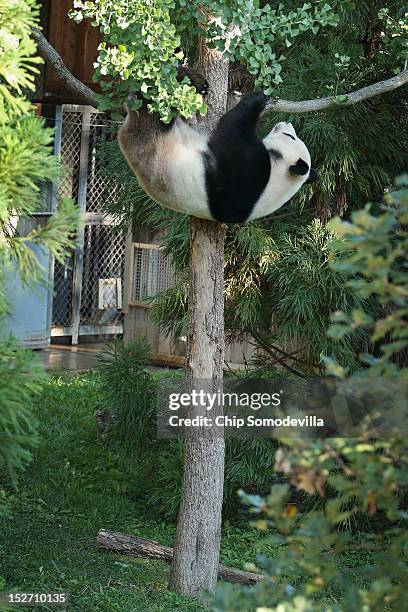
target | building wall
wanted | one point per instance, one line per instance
(137, 322)
(76, 43)
(165, 351)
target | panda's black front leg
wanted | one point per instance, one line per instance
(237, 166)
(243, 118)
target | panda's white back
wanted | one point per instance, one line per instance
(186, 171)
(168, 164)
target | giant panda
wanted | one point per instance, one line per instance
(228, 176)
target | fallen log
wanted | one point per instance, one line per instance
(139, 547)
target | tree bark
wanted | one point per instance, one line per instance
(139, 547)
(197, 543)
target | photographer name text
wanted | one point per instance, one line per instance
(236, 422)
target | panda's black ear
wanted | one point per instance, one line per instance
(300, 168)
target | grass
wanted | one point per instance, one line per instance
(75, 486)
(78, 484)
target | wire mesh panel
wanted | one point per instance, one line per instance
(153, 272)
(104, 254)
(70, 154)
(68, 185)
(101, 191)
(88, 291)
(63, 286)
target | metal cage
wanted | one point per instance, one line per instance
(96, 266)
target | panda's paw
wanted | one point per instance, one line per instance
(253, 103)
(196, 78)
(203, 90)
(257, 99)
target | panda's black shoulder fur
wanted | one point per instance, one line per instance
(237, 164)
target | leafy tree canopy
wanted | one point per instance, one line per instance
(143, 42)
(281, 265)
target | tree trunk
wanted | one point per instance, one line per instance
(139, 547)
(197, 543)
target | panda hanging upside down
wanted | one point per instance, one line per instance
(229, 176)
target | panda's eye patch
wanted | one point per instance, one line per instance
(290, 135)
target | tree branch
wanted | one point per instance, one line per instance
(309, 106)
(53, 58)
(47, 51)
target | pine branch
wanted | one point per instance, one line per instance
(283, 355)
(47, 52)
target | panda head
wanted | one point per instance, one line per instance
(285, 147)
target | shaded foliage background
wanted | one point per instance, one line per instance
(280, 287)
(361, 475)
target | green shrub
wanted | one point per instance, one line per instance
(129, 390)
(20, 380)
(26, 163)
(368, 476)
(164, 490)
(378, 266)
(131, 393)
(26, 159)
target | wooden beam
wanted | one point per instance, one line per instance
(169, 361)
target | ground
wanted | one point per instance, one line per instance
(78, 484)
(75, 486)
